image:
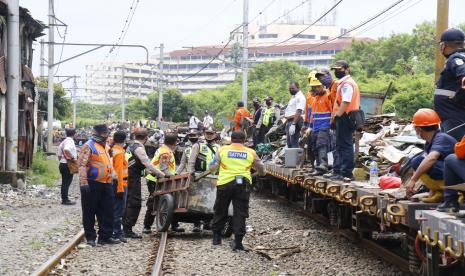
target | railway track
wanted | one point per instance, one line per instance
(155, 263)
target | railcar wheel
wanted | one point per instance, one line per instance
(165, 212)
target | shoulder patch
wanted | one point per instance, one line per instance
(458, 61)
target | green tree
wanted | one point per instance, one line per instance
(61, 104)
(175, 106)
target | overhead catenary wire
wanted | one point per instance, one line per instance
(262, 11)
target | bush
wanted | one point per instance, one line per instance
(44, 170)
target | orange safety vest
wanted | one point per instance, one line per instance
(308, 108)
(355, 102)
(120, 165)
(333, 91)
(99, 168)
(321, 112)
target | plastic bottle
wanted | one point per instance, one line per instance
(374, 180)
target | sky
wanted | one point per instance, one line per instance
(180, 23)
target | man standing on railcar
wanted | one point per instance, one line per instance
(234, 181)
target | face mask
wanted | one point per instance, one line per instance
(256, 105)
(268, 103)
(326, 80)
(99, 139)
(193, 140)
(339, 74)
(293, 92)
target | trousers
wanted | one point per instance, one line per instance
(239, 195)
(293, 140)
(134, 202)
(149, 218)
(320, 146)
(97, 200)
(436, 172)
(454, 173)
(66, 180)
(118, 208)
(344, 146)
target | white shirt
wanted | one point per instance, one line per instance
(346, 90)
(296, 102)
(67, 144)
(207, 121)
(194, 122)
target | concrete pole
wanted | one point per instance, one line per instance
(13, 86)
(140, 80)
(245, 52)
(160, 92)
(442, 21)
(51, 38)
(122, 95)
(74, 101)
(42, 60)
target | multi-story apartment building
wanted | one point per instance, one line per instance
(196, 68)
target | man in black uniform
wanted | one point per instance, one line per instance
(449, 96)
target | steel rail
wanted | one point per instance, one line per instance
(156, 269)
(45, 268)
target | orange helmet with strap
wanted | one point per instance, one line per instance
(426, 117)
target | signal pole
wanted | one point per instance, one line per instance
(160, 92)
(51, 38)
(442, 21)
(245, 52)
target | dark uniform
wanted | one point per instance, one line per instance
(449, 96)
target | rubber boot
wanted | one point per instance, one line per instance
(236, 245)
(436, 189)
(216, 238)
(451, 205)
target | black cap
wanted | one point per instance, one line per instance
(240, 104)
(101, 128)
(340, 64)
(452, 35)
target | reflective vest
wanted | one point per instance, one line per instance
(355, 102)
(308, 108)
(163, 151)
(135, 166)
(120, 169)
(333, 91)
(235, 160)
(99, 168)
(268, 116)
(188, 152)
(205, 157)
(321, 112)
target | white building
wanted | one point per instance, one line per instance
(193, 69)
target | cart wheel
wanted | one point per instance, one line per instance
(165, 212)
(227, 230)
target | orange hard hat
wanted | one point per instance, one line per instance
(460, 149)
(425, 117)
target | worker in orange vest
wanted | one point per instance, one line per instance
(97, 196)
(324, 76)
(347, 101)
(241, 117)
(120, 185)
(307, 115)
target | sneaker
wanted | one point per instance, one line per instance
(328, 175)
(147, 230)
(91, 243)
(131, 235)
(68, 202)
(449, 206)
(109, 241)
(337, 177)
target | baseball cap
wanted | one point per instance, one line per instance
(452, 35)
(340, 64)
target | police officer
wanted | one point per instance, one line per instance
(449, 96)
(193, 137)
(234, 180)
(138, 161)
(97, 196)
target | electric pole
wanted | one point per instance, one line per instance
(13, 86)
(245, 52)
(42, 60)
(74, 101)
(160, 92)
(122, 95)
(51, 38)
(442, 21)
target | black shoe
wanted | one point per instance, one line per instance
(91, 243)
(68, 202)
(236, 245)
(131, 235)
(123, 239)
(216, 238)
(449, 206)
(337, 177)
(317, 173)
(207, 226)
(328, 175)
(147, 230)
(109, 241)
(177, 229)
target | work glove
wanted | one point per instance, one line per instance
(292, 129)
(84, 188)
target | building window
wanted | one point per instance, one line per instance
(324, 37)
(306, 36)
(267, 35)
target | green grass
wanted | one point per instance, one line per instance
(44, 170)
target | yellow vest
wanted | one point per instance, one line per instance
(163, 150)
(267, 114)
(235, 160)
(209, 155)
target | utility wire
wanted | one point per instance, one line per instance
(262, 11)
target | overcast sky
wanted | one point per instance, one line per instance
(178, 23)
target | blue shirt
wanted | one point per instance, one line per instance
(450, 79)
(442, 143)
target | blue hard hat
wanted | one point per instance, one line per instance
(452, 35)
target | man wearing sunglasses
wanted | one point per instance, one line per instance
(449, 96)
